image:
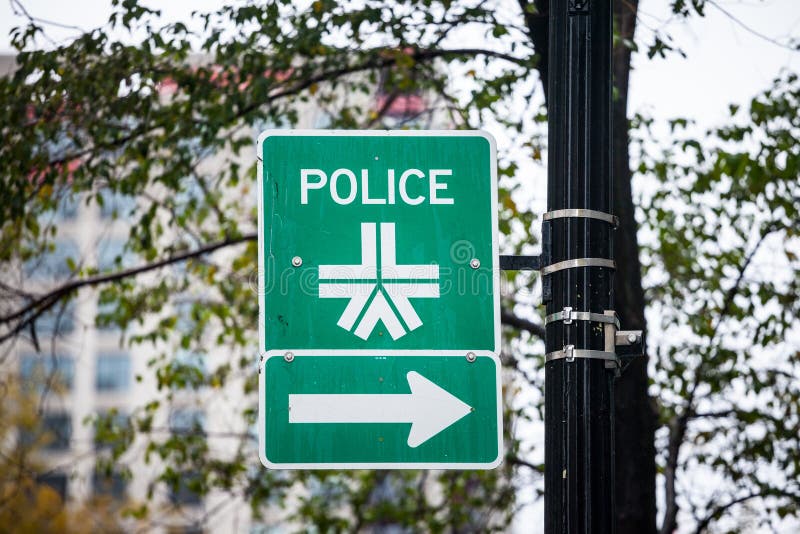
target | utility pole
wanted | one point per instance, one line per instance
(578, 287)
(584, 347)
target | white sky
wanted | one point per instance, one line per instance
(725, 62)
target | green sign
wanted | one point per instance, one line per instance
(404, 411)
(379, 322)
(378, 240)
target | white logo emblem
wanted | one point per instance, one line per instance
(375, 284)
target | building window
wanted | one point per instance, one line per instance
(56, 481)
(191, 193)
(37, 371)
(113, 372)
(186, 493)
(115, 205)
(187, 420)
(107, 484)
(57, 428)
(186, 316)
(104, 320)
(54, 264)
(112, 255)
(57, 321)
(67, 208)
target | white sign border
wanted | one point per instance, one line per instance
(376, 465)
(378, 133)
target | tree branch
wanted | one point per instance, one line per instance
(508, 318)
(677, 431)
(28, 313)
(31, 311)
(376, 61)
(678, 424)
(516, 460)
(19, 10)
(381, 61)
(787, 46)
(536, 15)
(717, 511)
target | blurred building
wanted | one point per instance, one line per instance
(88, 381)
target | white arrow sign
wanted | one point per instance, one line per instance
(429, 408)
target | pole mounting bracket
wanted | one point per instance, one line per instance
(520, 263)
(621, 346)
(626, 344)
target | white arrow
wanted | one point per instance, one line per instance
(429, 408)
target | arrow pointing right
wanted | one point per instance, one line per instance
(429, 408)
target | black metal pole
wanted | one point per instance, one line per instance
(579, 442)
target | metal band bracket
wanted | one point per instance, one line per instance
(581, 213)
(580, 262)
(569, 353)
(520, 263)
(568, 315)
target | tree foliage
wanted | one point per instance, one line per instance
(723, 264)
(29, 500)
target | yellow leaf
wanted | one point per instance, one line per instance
(46, 191)
(211, 272)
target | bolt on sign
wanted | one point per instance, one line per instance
(379, 300)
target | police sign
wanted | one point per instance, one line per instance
(378, 263)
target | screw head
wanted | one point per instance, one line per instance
(631, 338)
(471, 357)
(474, 263)
(297, 261)
(289, 356)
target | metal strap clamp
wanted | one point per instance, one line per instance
(580, 262)
(610, 327)
(569, 315)
(569, 353)
(581, 213)
(631, 341)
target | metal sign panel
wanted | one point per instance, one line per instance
(349, 411)
(378, 275)
(379, 240)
